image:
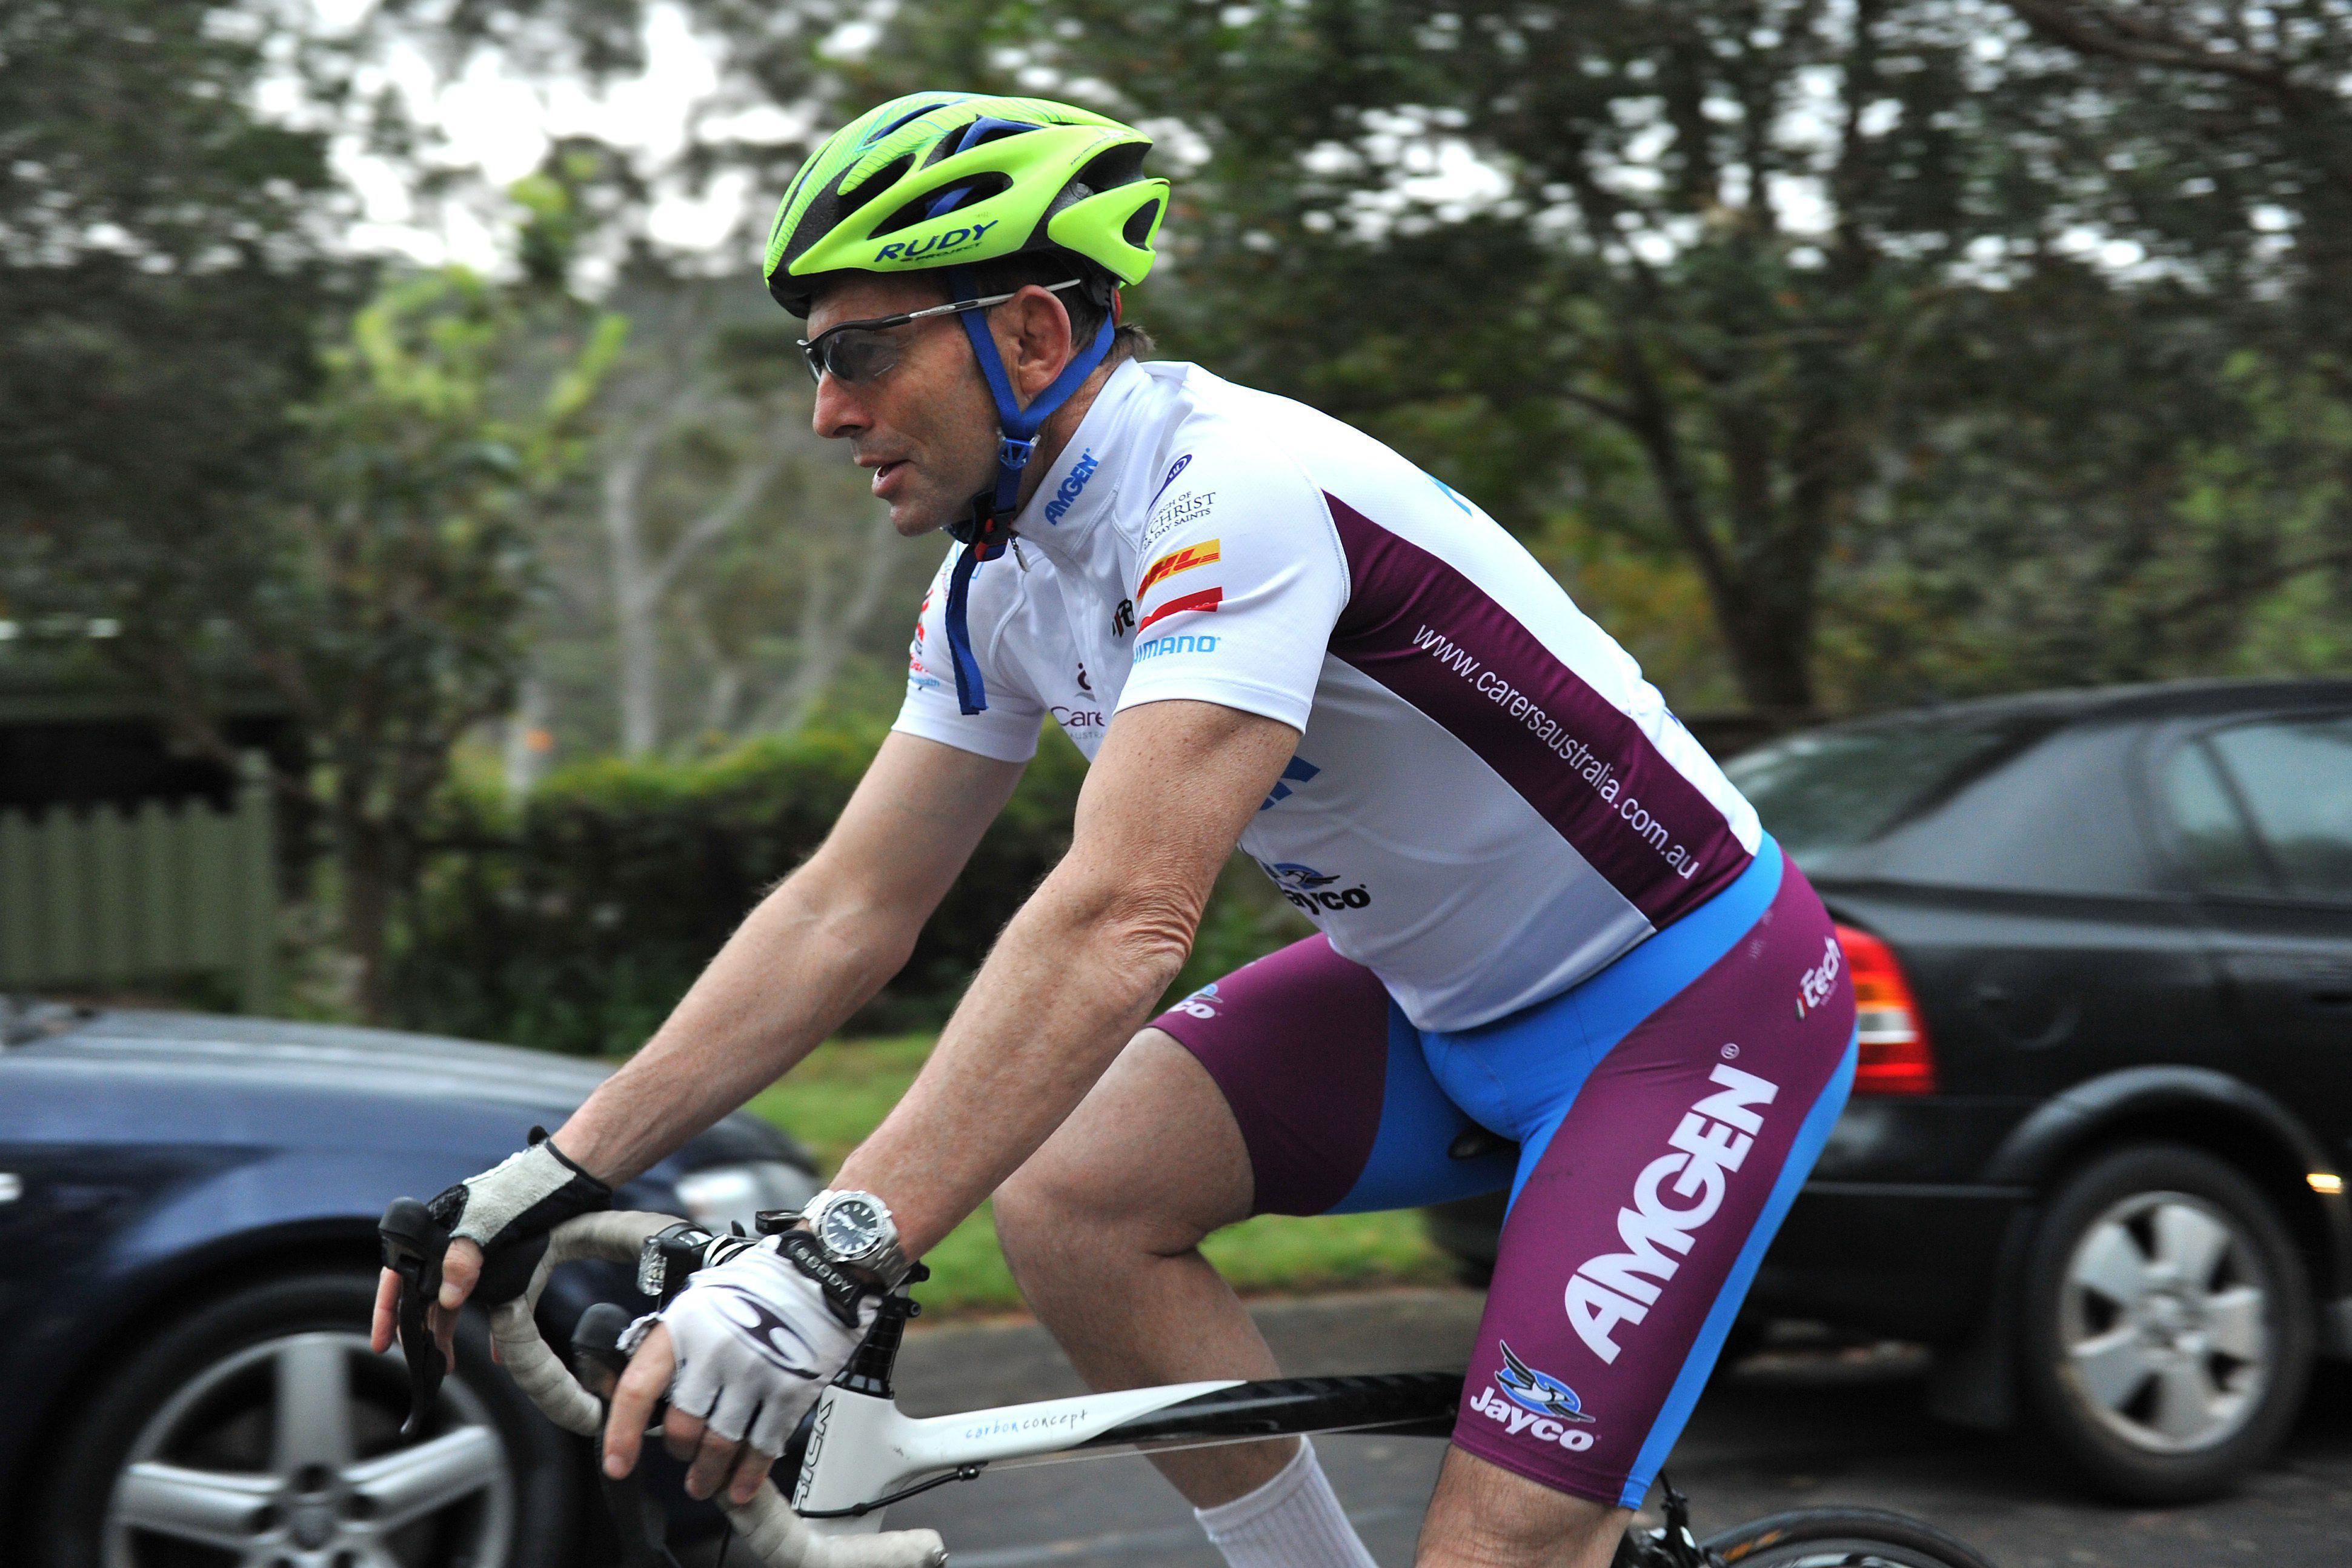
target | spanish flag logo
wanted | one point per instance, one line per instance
(1176, 560)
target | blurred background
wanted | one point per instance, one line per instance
(423, 603)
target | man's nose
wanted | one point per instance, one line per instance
(837, 411)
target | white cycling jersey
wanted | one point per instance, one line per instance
(1488, 801)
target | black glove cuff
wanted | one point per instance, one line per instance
(842, 1291)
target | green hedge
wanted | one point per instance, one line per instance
(576, 919)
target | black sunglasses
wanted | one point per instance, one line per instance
(860, 351)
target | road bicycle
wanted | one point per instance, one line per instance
(855, 1454)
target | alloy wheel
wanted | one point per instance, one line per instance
(2162, 1324)
(287, 1455)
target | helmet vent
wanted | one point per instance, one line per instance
(934, 203)
(1138, 227)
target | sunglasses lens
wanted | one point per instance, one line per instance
(855, 357)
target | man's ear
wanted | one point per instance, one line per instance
(1041, 343)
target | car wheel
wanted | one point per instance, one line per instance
(261, 1431)
(2168, 1326)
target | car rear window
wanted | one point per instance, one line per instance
(1830, 789)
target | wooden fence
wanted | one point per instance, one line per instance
(104, 898)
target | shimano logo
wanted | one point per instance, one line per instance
(1710, 1143)
(1813, 986)
(953, 239)
(1059, 506)
(1188, 643)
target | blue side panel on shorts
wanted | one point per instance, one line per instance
(1411, 1162)
(1684, 1397)
(1533, 1064)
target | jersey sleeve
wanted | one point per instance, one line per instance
(1242, 579)
(1007, 727)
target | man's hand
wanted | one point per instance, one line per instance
(749, 1346)
(461, 1266)
(498, 1223)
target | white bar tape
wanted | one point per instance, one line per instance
(774, 1534)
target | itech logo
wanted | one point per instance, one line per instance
(1710, 1142)
(1059, 506)
(1813, 986)
(953, 239)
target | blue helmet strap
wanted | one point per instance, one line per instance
(989, 529)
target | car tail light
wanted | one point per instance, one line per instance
(1896, 1057)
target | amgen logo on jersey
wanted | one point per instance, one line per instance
(1059, 506)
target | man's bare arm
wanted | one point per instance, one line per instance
(1077, 971)
(812, 952)
(815, 950)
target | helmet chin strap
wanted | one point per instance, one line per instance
(989, 528)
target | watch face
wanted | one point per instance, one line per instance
(850, 1228)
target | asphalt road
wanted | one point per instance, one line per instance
(1787, 1429)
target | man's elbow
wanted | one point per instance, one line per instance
(1148, 934)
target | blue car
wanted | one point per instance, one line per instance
(187, 1261)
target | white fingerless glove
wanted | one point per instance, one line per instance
(757, 1340)
(509, 1209)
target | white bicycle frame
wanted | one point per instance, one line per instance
(862, 1453)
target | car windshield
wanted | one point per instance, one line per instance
(1830, 789)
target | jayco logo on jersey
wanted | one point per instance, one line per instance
(1059, 506)
(1546, 1408)
(1710, 1142)
(953, 239)
(1813, 986)
(1310, 889)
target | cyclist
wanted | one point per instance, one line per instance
(1557, 953)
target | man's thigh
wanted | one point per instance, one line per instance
(1327, 1088)
(1152, 1151)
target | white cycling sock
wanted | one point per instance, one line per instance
(1294, 1520)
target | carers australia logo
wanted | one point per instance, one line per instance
(1310, 889)
(1522, 1399)
(1059, 506)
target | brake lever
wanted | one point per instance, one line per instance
(413, 1247)
(598, 1362)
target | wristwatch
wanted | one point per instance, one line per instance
(855, 1230)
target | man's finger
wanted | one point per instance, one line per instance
(387, 1325)
(634, 1397)
(681, 1434)
(461, 1268)
(443, 1323)
(713, 1462)
(750, 1471)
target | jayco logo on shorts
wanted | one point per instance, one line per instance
(1203, 1004)
(1059, 506)
(1814, 988)
(1536, 1402)
(1711, 1141)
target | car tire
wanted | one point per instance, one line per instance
(262, 1420)
(2168, 1328)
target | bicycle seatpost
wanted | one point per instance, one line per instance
(412, 1246)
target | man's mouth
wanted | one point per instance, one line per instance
(884, 471)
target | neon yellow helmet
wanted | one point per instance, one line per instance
(949, 179)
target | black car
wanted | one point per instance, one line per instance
(2102, 946)
(188, 1259)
